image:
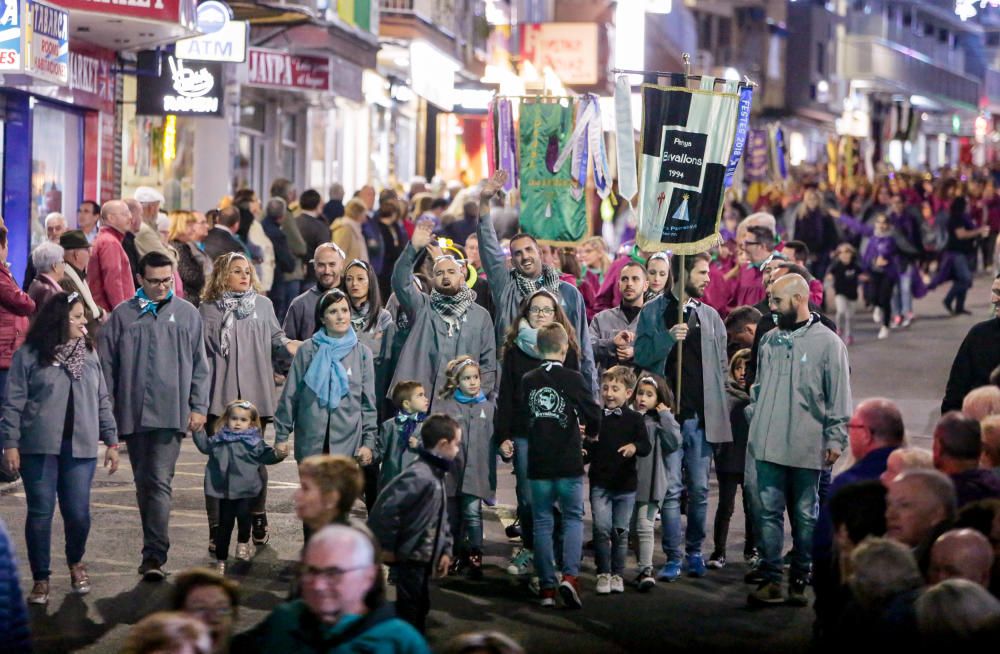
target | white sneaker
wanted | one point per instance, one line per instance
(521, 563)
(907, 321)
(242, 551)
(617, 584)
(877, 316)
(883, 333)
(220, 567)
(604, 584)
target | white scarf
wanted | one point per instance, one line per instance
(84, 291)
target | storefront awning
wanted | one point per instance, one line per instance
(125, 26)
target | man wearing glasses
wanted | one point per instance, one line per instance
(328, 264)
(757, 244)
(153, 353)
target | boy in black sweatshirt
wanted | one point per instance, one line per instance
(557, 400)
(614, 477)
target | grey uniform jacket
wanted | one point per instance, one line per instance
(34, 411)
(665, 435)
(801, 402)
(232, 472)
(300, 321)
(393, 454)
(653, 344)
(155, 366)
(373, 337)
(428, 347)
(507, 301)
(247, 373)
(475, 470)
(352, 424)
(410, 517)
(603, 328)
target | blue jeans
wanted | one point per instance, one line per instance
(612, 514)
(779, 486)
(545, 494)
(962, 274)
(902, 295)
(696, 455)
(153, 455)
(523, 490)
(47, 477)
(465, 514)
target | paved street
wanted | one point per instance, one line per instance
(710, 613)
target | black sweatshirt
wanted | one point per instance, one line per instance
(557, 399)
(511, 417)
(608, 468)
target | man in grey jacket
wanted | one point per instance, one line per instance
(527, 274)
(328, 264)
(799, 408)
(612, 331)
(153, 353)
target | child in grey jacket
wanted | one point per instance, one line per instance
(399, 437)
(235, 451)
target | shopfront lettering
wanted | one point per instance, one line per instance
(183, 87)
(49, 21)
(273, 69)
(179, 104)
(280, 69)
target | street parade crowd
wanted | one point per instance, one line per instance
(408, 346)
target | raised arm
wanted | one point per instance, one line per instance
(490, 252)
(402, 274)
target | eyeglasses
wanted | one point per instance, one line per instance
(331, 574)
(211, 611)
(542, 311)
(166, 281)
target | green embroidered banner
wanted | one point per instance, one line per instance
(549, 210)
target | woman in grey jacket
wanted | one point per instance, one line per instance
(56, 411)
(242, 335)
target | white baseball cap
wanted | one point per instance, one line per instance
(148, 194)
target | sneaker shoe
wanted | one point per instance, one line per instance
(797, 592)
(671, 571)
(695, 565)
(716, 561)
(883, 333)
(79, 579)
(259, 529)
(768, 593)
(603, 584)
(475, 562)
(458, 566)
(535, 586)
(617, 584)
(896, 322)
(521, 563)
(39, 593)
(646, 580)
(907, 321)
(242, 551)
(877, 316)
(548, 598)
(152, 570)
(220, 567)
(569, 590)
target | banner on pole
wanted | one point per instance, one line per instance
(549, 210)
(687, 140)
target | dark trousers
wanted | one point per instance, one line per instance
(232, 512)
(371, 484)
(413, 596)
(153, 455)
(257, 504)
(881, 295)
(728, 483)
(282, 293)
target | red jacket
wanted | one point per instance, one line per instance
(15, 307)
(109, 274)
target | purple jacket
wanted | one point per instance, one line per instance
(885, 247)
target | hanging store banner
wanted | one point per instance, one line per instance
(184, 88)
(278, 69)
(11, 36)
(569, 49)
(756, 164)
(549, 210)
(34, 42)
(687, 139)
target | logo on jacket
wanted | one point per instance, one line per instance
(547, 403)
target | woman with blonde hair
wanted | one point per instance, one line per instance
(346, 231)
(187, 229)
(595, 259)
(242, 335)
(168, 632)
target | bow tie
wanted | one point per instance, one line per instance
(403, 418)
(613, 412)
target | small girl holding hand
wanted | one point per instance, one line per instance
(473, 474)
(235, 450)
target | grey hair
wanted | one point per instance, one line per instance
(939, 485)
(955, 608)
(52, 217)
(332, 535)
(46, 256)
(275, 207)
(337, 191)
(882, 568)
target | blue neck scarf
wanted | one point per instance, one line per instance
(326, 375)
(149, 306)
(226, 435)
(462, 398)
(527, 339)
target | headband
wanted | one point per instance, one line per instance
(650, 381)
(72, 296)
(659, 255)
(462, 364)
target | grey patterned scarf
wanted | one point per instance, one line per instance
(71, 355)
(549, 281)
(235, 306)
(452, 308)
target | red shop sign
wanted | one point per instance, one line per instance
(170, 11)
(91, 76)
(278, 69)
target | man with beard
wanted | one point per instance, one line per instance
(527, 275)
(443, 325)
(799, 409)
(976, 358)
(300, 321)
(613, 330)
(703, 414)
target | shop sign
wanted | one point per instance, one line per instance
(183, 88)
(49, 42)
(432, 74)
(223, 39)
(569, 49)
(90, 76)
(181, 12)
(11, 33)
(277, 69)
